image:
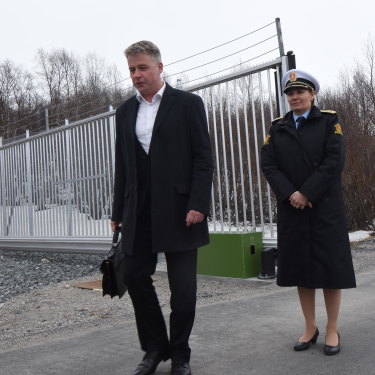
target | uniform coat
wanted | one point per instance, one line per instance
(180, 172)
(313, 243)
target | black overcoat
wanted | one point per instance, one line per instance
(181, 172)
(313, 243)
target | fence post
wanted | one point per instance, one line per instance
(46, 117)
(280, 37)
(2, 191)
(112, 136)
(29, 184)
(69, 181)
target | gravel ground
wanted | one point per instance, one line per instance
(39, 302)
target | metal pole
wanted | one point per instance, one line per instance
(256, 153)
(206, 105)
(284, 102)
(239, 140)
(68, 166)
(226, 181)
(280, 37)
(46, 117)
(268, 187)
(249, 169)
(2, 192)
(112, 135)
(29, 187)
(232, 156)
(218, 172)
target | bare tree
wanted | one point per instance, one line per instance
(18, 99)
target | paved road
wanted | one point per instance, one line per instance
(253, 335)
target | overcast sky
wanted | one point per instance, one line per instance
(327, 36)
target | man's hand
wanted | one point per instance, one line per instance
(193, 217)
(299, 201)
(115, 224)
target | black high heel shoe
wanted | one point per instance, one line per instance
(300, 346)
(332, 350)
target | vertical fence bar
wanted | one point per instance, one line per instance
(264, 134)
(68, 173)
(86, 174)
(43, 186)
(78, 174)
(29, 185)
(240, 158)
(232, 157)
(212, 186)
(90, 173)
(94, 175)
(218, 173)
(111, 156)
(103, 184)
(61, 214)
(74, 155)
(7, 192)
(3, 202)
(49, 158)
(257, 154)
(249, 169)
(54, 184)
(268, 193)
(11, 191)
(34, 184)
(280, 71)
(229, 220)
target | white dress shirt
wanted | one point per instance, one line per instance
(146, 118)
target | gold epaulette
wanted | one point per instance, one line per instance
(328, 111)
(276, 119)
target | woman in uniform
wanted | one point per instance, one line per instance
(302, 160)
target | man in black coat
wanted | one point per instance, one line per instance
(163, 177)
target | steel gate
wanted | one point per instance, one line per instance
(56, 187)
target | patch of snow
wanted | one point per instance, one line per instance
(359, 235)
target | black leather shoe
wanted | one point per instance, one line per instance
(149, 363)
(332, 350)
(299, 346)
(180, 369)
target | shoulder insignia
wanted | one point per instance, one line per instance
(267, 140)
(328, 111)
(338, 129)
(276, 119)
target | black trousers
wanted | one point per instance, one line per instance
(182, 276)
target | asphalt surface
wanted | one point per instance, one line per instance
(251, 335)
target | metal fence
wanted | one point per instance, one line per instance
(56, 187)
(239, 107)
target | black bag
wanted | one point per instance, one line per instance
(112, 268)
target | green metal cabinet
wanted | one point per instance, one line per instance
(231, 255)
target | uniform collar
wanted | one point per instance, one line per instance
(288, 118)
(303, 115)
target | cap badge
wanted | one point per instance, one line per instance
(293, 76)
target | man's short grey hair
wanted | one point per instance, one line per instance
(144, 46)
